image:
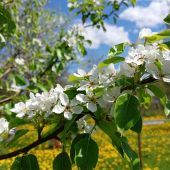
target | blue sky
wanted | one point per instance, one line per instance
(146, 14)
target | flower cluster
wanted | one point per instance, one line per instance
(156, 61)
(46, 103)
(98, 87)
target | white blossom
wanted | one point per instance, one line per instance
(83, 125)
(138, 55)
(111, 94)
(20, 109)
(68, 107)
(145, 32)
(20, 61)
(163, 74)
(3, 125)
(107, 76)
(90, 100)
(126, 69)
(92, 81)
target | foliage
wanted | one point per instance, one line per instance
(111, 98)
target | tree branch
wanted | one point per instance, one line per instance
(53, 135)
(9, 98)
(33, 145)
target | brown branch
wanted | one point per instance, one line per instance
(53, 135)
(6, 73)
(33, 145)
(9, 98)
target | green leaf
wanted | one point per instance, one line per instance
(167, 108)
(17, 164)
(42, 87)
(133, 2)
(76, 139)
(132, 156)
(62, 162)
(16, 122)
(86, 153)
(145, 98)
(112, 60)
(167, 19)
(159, 36)
(156, 91)
(26, 162)
(109, 127)
(73, 78)
(71, 92)
(20, 80)
(117, 49)
(138, 126)
(126, 111)
(17, 135)
(82, 49)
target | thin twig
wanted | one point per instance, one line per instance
(9, 98)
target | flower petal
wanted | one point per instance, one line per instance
(82, 98)
(81, 72)
(68, 115)
(64, 99)
(77, 109)
(91, 106)
(58, 108)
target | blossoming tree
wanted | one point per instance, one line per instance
(111, 97)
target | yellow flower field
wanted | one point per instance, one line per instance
(155, 148)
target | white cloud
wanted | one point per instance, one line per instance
(149, 16)
(112, 36)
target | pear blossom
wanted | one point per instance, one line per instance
(126, 69)
(83, 125)
(20, 61)
(3, 125)
(107, 76)
(68, 107)
(111, 94)
(82, 73)
(166, 54)
(90, 100)
(163, 74)
(20, 109)
(145, 32)
(92, 81)
(138, 55)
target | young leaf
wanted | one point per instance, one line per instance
(62, 162)
(112, 60)
(167, 19)
(159, 36)
(20, 80)
(133, 2)
(117, 49)
(73, 78)
(126, 111)
(86, 153)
